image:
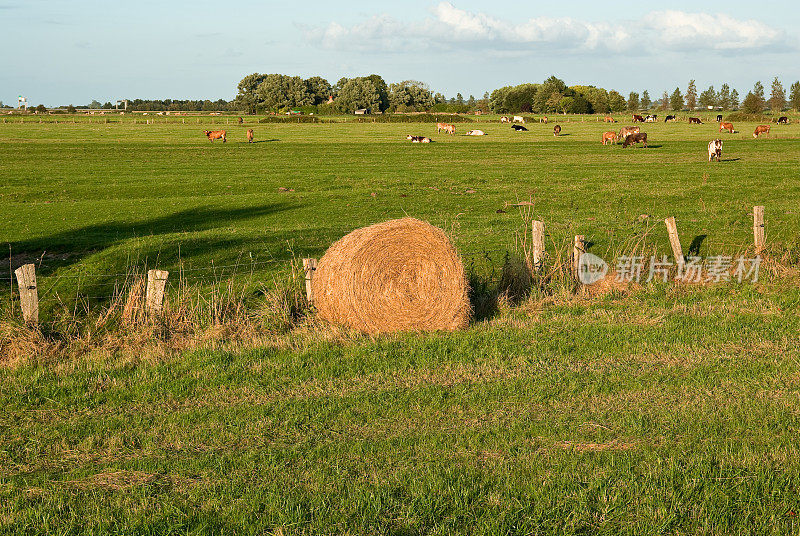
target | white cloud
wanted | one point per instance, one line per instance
(449, 28)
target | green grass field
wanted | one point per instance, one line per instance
(670, 410)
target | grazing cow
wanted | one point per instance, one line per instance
(783, 120)
(418, 139)
(610, 137)
(715, 150)
(249, 135)
(241, 120)
(761, 129)
(651, 118)
(556, 130)
(609, 119)
(638, 118)
(543, 119)
(215, 135)
(670, 118)
(505, 119)
(626, 131)
(719, 118)
(476, 133)
(726, 126)
(519, 128)
(447, 127)
(695, 121)
(632, 139)
(519, 119)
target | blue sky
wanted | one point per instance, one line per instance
(61, 52)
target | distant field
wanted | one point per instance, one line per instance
(672, 410)
(98, 195)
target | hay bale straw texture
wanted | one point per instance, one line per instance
(400, 275)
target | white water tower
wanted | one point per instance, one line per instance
(22, 102)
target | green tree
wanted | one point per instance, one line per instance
(471, 100)
(247, 98)
(597, 98)
(676, 100)
(358, 93)
(382, 89)
(279, 92)
(459, 98)
(794, 96)
(777, 98)
(734, 100)
(410, 95)
(497, 100)
(319, 89)
(70, 108)
(633, 102)
(549, 95)
(708, 97)
(520, 98)
(724, 97)
(758, 92)
(646, 102)
(691, 95)
(616, 102)
(664, 101)
(752, 104)
(94, 105)
(41, 109)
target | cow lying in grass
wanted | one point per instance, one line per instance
(519, 128)
(476, 133)
(215, 135)
(715, 150)
(418, 139)
(632, 139)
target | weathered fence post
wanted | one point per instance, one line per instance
(537, 244)
(28, 295)
(309, 265)
(758, 228)
(156, 284)
(674, 241)
(577, 250)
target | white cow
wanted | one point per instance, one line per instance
(476, 133)
(505, 119)
(715, 150)
(519, 119)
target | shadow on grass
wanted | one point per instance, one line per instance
(694, 247)
(264, 141)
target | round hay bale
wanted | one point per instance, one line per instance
(400, 275)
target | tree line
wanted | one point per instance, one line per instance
(262, 93)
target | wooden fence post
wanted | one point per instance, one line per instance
(28, 295)
(758, 228)
(156, 283)
(577, 250)
(537, 244)
(309, 265)
(674, 241)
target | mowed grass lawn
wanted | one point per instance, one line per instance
(673, 410)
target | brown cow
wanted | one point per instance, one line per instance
(215, 135)
(543, 119)
(761, 129)
(249, 135)
(632, 139)
(447, 127)
(726, 126)
(556, 130)
(609, 119)
(626, 131)
(241, 120)
(695, 121)
(609, 137)
(638, 118)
